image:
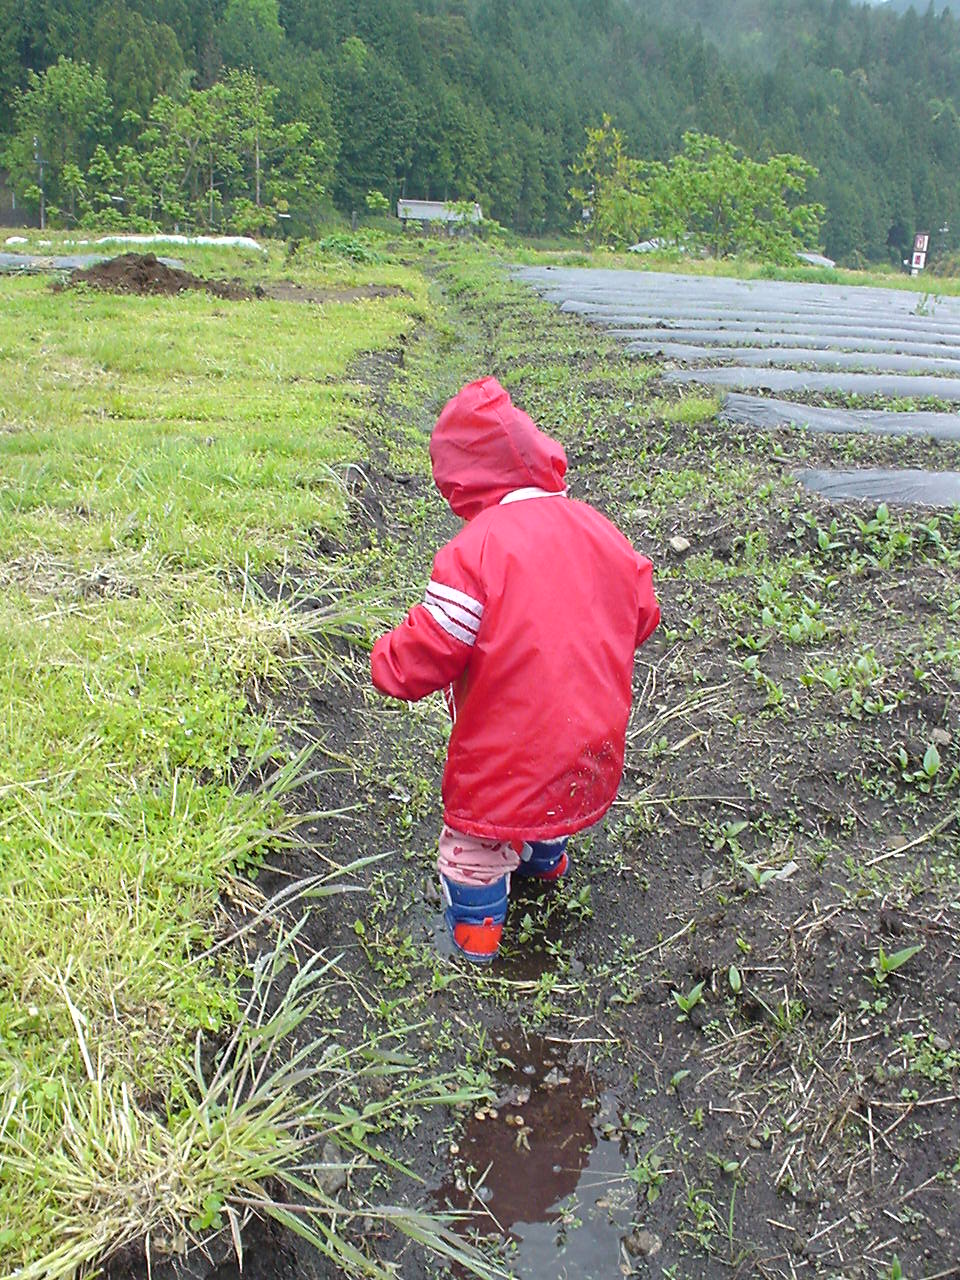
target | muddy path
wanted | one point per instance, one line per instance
(696, 1057)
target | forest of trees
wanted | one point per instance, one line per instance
(230, 112)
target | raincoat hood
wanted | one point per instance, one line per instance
(483, 447)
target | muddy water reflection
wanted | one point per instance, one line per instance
(533, 1168)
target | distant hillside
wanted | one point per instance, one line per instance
(901, 6)
(490, 98)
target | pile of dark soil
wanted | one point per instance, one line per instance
(146, 275)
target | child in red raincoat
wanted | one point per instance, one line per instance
(529, 623)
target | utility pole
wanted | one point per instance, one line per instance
(38, 157)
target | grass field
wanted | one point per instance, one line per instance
(183, 549)
(157, 457)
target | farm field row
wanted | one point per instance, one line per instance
(733, 1028)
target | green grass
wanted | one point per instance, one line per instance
(154, 455)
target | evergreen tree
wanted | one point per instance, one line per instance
(454, 98)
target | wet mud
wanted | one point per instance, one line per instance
(543, 1166)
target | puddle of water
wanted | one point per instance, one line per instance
(535, 1169)
(589, 1247)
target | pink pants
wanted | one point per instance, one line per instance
(472, 860)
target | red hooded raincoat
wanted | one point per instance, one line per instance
(530, 621)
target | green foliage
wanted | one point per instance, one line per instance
(649, 1175)
(448, 100)
(377, 202)
(685, 1003)
(250, 34)
(219, 157)
(884, 965)
(139, 59)
(708, 199)
(212, 158)
(148, 485)
(66, 110)
(616, 207)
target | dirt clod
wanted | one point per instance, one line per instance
(332, 1178)
(643, 1244)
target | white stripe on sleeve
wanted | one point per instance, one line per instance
(452, 628)
(456, 597)
(454, 611)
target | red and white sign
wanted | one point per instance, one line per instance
(919, 261)
(921, 242)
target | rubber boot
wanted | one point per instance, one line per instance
(546, 860)
(475, 916)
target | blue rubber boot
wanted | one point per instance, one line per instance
(475, 916)
(546, 860)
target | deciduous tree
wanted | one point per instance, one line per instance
(60, 117)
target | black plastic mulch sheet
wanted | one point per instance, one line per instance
(782, 337)
(906, 488)
(767, 415)
(791, 357)
(905, 385)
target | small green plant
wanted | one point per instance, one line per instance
(579, 904)
(687, 1002)
(347, 245)
(788, 1014)
(703, 1214)
(526, 930)
(884, 965)
(925, 307)
(727, 837)
(759, 877)
(931, 761)
(926, 776)
(649, 1175)
(211, 1216)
